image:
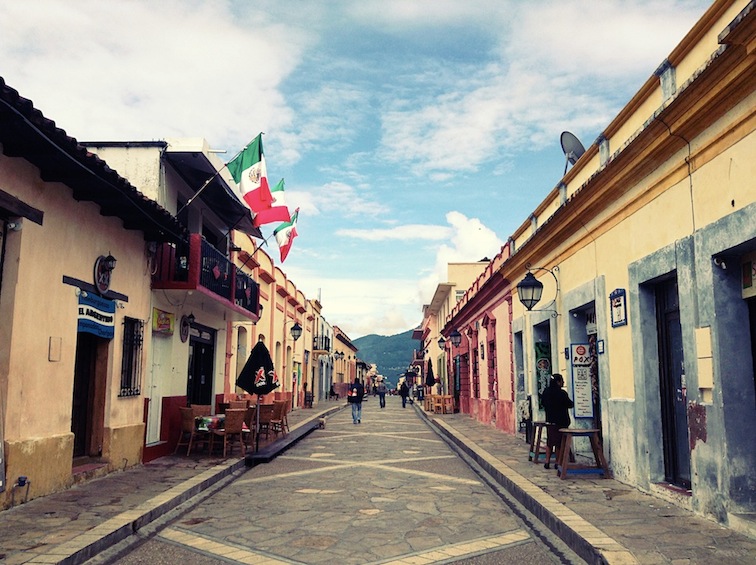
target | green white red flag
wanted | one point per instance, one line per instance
(251, 176)
(285, 234)
(278, 211)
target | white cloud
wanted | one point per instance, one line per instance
(471, 241)
(410, 233)
(560, 66)
(339, 197)
(387, 305)
(147, 70)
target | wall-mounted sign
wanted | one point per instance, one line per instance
(162, 322)
(618, 306)
(96, 315)
(582, 394)
(103, 269)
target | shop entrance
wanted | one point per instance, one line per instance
(199, 385)
(88, 408)
(672, 385)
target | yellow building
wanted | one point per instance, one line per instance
(644, 254)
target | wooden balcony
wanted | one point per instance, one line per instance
(200, 267)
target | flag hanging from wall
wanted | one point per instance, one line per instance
(251, 175)
(285, 234)
(278, 211)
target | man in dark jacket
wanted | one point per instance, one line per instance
(404, 393)
(356, 394)
(556, 403)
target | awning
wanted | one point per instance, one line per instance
(195, 168)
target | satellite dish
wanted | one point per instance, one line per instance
(572, 148)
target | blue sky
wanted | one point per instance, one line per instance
(409, 133)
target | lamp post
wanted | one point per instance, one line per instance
(296, 331)
(455, 337)
(530, 290)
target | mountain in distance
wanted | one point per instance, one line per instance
(391, 354)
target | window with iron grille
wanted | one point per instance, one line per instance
(131, 365)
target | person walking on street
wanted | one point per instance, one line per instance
(556, 402)
(356, 394)
(381, 389)
(404, 393)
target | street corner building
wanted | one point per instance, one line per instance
(74, 298)
(636, 280)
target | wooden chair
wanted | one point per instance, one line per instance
(448, 404)
(201, 410)
(232, 431)
(278, 421)
(250, 420)
(189, 433)
(438, 404)
(237, 404)
(266, 413)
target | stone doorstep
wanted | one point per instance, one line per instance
(87, 471)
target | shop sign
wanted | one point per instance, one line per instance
(96, 315)
(582, 393)
(162, 322)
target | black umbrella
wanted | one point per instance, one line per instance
(429, 379)
(258, 377)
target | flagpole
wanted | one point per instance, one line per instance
(208, 181)
(250, 255)
(196, 194)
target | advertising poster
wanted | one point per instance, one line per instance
(582, 389)
(543, 367)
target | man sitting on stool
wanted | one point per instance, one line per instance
(556, 402)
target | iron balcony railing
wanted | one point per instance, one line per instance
(321, 343)
(198, 264)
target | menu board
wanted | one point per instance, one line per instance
(582, 394)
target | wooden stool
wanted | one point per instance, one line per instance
(538, 443)
(567, 466)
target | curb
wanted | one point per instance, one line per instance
(581, 536)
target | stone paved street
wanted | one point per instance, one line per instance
(387, 490)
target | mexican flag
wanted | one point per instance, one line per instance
(251, 176)
(277, 212)
(285, 234)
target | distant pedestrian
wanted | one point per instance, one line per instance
(556, 402)
(356, 394)
(381, 388)
(404, 393)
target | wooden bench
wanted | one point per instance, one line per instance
(566, 466)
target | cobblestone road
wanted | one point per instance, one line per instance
(387, 490)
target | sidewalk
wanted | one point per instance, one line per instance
(72, 526)
(602, 520)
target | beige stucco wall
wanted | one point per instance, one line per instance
(40, 330)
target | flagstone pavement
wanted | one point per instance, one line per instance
(602, 520)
